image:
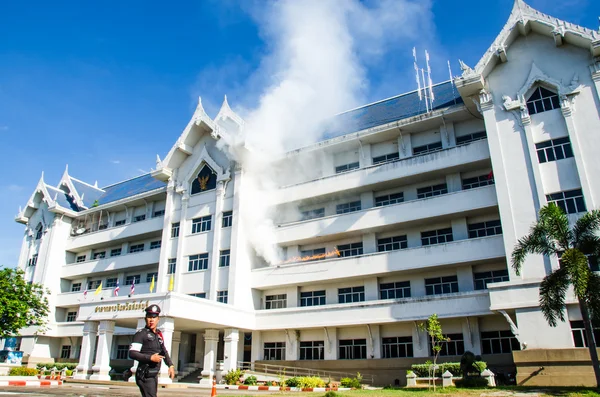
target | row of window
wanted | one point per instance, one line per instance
(391, 290)
(492, 342)
(111, 282)
(118, 251)
(416, 150)
(203, 224)
(200, 261)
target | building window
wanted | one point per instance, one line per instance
(136, 248)
(139, 218)
(150, 276)
(227, 219)
(542, 100)
(483, 229)
(224, 258)
(353, 349)
(111, 282)
(201, 295)
(172, 266)
(476, 136)
(120, 222)
(75, 287)
(346, 167)
(478, 181)
(348, 207)
(198, 262)
(441, 285)
(317, 254)
(135, 279)
(158, 213)
(274, 351)
(312, 298)
(33, 260)
(554, 149)
(392, 243)
(430, 191)
(122, 352)
(115, 252)
(99, 255)
(397, 347)
(385, 158)
(312, 214)
(350, 295)
(578, 331)
(155, 244)
(65, 351)
(571, 201)
(455, 346)
(205, 180)
(276, 301)
(432, 147)
(389, 199)
(201, 224)
(353, 249)
(482, 279)
(80, 258)
(222, 296)
(39, 231)
(174, 229)
(93, 284)
(439, 236)
(397, 290)
(71, 316)
(498, 342)
(314, 350)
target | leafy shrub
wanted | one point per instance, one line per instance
(251, 380)
(353, 383)
(59, 366)
(23, 371)
(306, 382)
(233, 376)
(471, 382)
(331, 393)
(422, 370)
(292, 382)
(69, 372)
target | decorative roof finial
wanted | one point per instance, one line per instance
(158, 162)
(95, 184)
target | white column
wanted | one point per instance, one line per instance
(371, 289)
(460, 230)
(404, 146)
(257, 347)
(331, 343)
(367, 200)
(291, 345)
(105, 337)
(199, 353)
(183, 231)
(211, 340)
(464, 274)
(165, 250)
(453, 182)
(470, 328)
(88, 344)
(141, 324)
(420, 342)
(448, 136)
(216, 248)
(373, 341)
(166, 326)
(369, 243)
(231, 338)
(175, 349)
(364, 155)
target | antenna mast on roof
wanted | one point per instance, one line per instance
(451, 81)
(427, 93)
(417, 73)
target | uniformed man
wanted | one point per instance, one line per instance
(149, 350)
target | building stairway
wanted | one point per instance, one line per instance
(190, 373)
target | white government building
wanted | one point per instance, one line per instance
(406, 212)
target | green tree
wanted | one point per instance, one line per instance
(552, 235)
(434, 330)
(21, 304)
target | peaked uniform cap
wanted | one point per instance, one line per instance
(153, 310)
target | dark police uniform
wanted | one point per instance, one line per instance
(145, 344)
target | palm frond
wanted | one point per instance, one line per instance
(576, 265)
(556, 223)
(586, 229)
(536, 242)
(593, 297)
(553, 290)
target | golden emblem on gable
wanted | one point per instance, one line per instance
(203, 181)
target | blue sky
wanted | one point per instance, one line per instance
(105, 86)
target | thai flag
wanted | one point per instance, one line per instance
(132, 289)
(85, 294)
(117, 289)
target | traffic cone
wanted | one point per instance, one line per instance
(213, 392)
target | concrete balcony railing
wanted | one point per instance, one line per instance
(454, 157)
(372, 219)
(115, 234)
(461, 304)
(110, 264)
(410, 259)
(65, 329)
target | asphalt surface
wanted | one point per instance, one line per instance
(88, 390)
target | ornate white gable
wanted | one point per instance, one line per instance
(204, 158)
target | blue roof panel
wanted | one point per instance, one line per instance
(131, 187)
(390, 110)
(89, 193)
(62, 198)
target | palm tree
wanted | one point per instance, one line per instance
(552, 235)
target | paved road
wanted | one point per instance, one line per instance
(80, 390)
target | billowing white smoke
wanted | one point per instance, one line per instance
(316, 71)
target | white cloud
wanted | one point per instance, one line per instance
(4, 128)
(14, 188)
(115, 161)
